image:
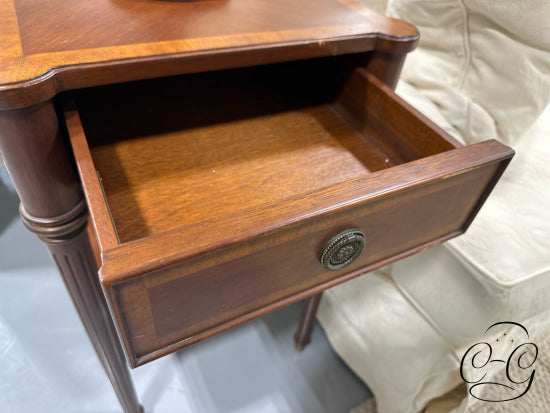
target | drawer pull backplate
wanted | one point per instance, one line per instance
(342, 249)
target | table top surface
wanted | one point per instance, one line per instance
(47, 46)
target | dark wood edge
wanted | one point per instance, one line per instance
(64, 78)
(137, 360)
(99, 210)
(119, 263)
(140, 360)
(121, 324)
(407, 109)
(372, 108)
(496, 177)
(302, 336)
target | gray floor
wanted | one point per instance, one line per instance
(47, 363)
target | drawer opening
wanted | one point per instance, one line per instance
(175, 152)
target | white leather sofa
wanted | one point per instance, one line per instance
(481, 71)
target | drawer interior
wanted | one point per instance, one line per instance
(176, 152)
(212, 194)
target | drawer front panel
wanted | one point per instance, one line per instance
(165, 310)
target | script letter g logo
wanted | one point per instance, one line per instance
(482, 362)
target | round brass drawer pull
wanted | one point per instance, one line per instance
(342, 249)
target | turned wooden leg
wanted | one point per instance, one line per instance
(302, 337)
(52, 206)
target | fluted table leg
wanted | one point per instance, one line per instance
(53, 207)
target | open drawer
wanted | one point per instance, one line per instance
(216, 196)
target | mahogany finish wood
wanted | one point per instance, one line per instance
(387, 68)
(106, 41)
(323, 159)
(216, 190)
(53, 207)
(302, 337)
(272, 135)
(46, 184)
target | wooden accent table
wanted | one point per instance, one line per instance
(193, 165)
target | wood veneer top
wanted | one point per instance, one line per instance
(47, 46)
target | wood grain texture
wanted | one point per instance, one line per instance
(109, 41)
(167, 158)
(182, 274)
(275, 131)
(386, 67)
(187, 302)
(75, 261)
(131, 259)
(100, 214)
(52, 206)
(316, 223)
(223, 186)
(158, 21)
(35, 155)
(372, 107)
(211, 221)
(9, 33)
